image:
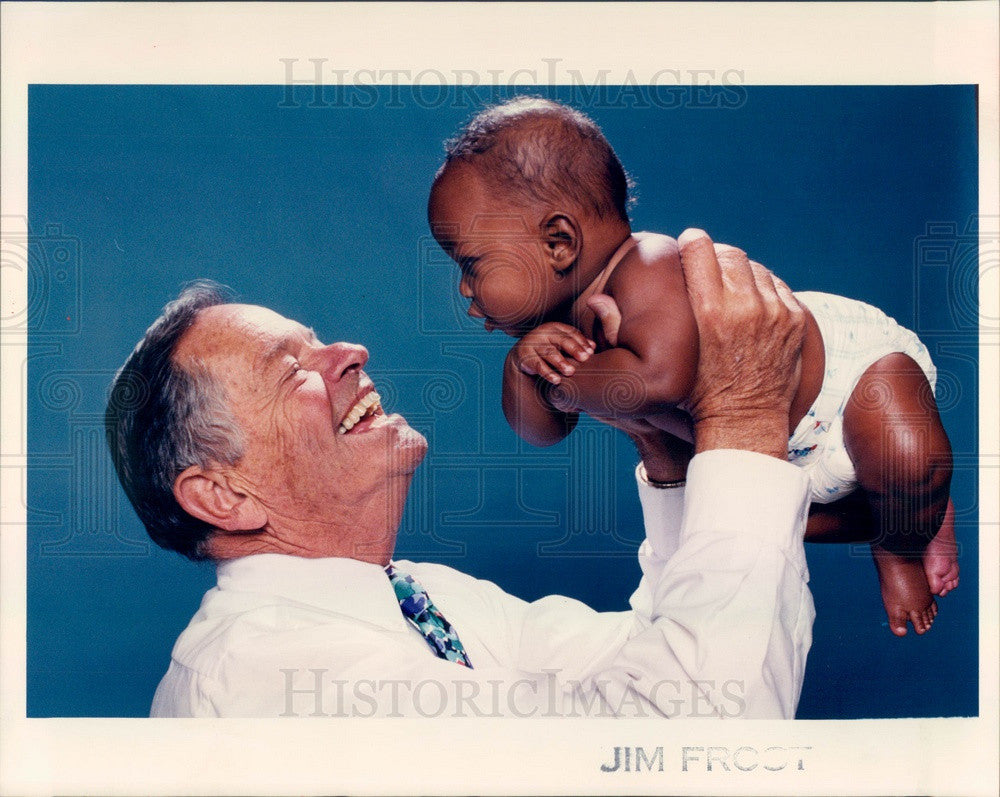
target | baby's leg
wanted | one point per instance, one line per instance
(903, 461)
(852, 520)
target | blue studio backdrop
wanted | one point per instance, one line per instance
(314, 204)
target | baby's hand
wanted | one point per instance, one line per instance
(607, 312)
(543, 351)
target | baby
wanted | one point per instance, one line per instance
(531, 203)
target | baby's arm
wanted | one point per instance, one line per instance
(900, 452)
(652, 367)
(533, 358)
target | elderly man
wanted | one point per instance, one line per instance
(242, 439)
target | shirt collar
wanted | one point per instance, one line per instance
(346, 586)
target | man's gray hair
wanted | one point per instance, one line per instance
(162, 418)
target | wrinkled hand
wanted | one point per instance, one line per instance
(549, 350)
(750, 331)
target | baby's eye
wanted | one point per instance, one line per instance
(466, 263)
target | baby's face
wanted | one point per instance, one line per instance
(499, 250)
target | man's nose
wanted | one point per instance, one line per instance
(340, 359)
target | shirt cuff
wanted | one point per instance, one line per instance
(662, 512)
(746, 493)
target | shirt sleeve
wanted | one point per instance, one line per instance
(722, 620)
(662, 514)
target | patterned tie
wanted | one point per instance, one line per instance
(416, 606)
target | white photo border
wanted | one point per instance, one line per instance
(242, 43)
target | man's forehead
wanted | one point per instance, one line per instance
(250, 315)
(242, 329)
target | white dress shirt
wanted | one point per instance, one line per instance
(719, 625)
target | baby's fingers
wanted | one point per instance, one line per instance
(568, 338)
(535, 365)
(553, 357)
(576, 345)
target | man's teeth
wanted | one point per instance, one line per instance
(369, 404)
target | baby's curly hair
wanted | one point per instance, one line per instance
(538, 150)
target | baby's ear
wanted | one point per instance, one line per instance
(563, 241)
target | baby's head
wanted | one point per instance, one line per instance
(528, 190)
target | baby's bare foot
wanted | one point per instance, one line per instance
(905, 592)
(941, 556)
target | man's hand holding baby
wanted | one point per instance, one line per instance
(750, 331)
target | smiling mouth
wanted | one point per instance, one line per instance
(368, 406)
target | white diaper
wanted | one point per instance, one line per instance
(855, 335)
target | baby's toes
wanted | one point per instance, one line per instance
(897, 622)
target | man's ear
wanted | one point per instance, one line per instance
(563, 240)
(209, 495)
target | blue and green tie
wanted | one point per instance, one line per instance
(416, 606)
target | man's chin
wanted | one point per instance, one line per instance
(402, 446)
(410, 448)
(410, 459)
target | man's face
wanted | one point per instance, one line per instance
(318, 446)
